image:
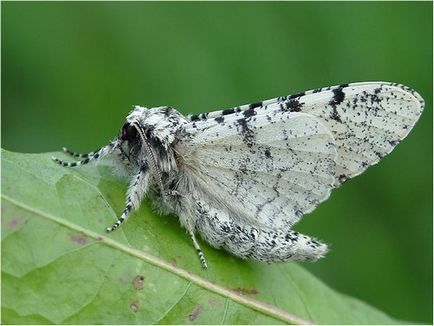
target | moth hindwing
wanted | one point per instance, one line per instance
(242, 177)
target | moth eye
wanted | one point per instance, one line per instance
(128, 132)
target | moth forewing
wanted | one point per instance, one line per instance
(367, 120)
(268, 173)
(242, 177)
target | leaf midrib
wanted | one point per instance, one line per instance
(257, 305)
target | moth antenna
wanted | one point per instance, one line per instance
(152, 160)
(92, 156)
(79, 155)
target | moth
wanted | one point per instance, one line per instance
(241, 178)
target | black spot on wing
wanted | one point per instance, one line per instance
(220, 119)
(255, 105)
(379, 155)
(335, 115)
(228, 111)
(249, 113)
(247, 132)
(194, 117)
(342, 178)
(338, 97)
(374, 97)
(294, 105)
(267, 153)
(296, 95)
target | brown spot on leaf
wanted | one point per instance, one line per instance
(215, 302)
(16, 219)
(195, 313)
(173, 260)
(100, 238)
(242, 291)
(13, 223)
(78, 238)
(134, 306)
(138, 282)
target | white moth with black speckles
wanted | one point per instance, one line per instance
(243, 177)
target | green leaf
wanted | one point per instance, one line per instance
(60, 267)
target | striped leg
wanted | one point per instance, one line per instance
(125, 214)
(98, 154)
(199, 251)
(138, 188)
(79, 155)
(186, 210)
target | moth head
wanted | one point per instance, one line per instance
(149, 132)
(129, 130)
(130, 142)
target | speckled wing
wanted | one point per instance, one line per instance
(367, 120)
(267, 170)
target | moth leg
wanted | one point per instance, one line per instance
(137, 190)
(187, 213)
(95, 155)
(199, 251)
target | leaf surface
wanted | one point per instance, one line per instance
(59, 266)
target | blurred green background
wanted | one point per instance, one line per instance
(72, 71)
